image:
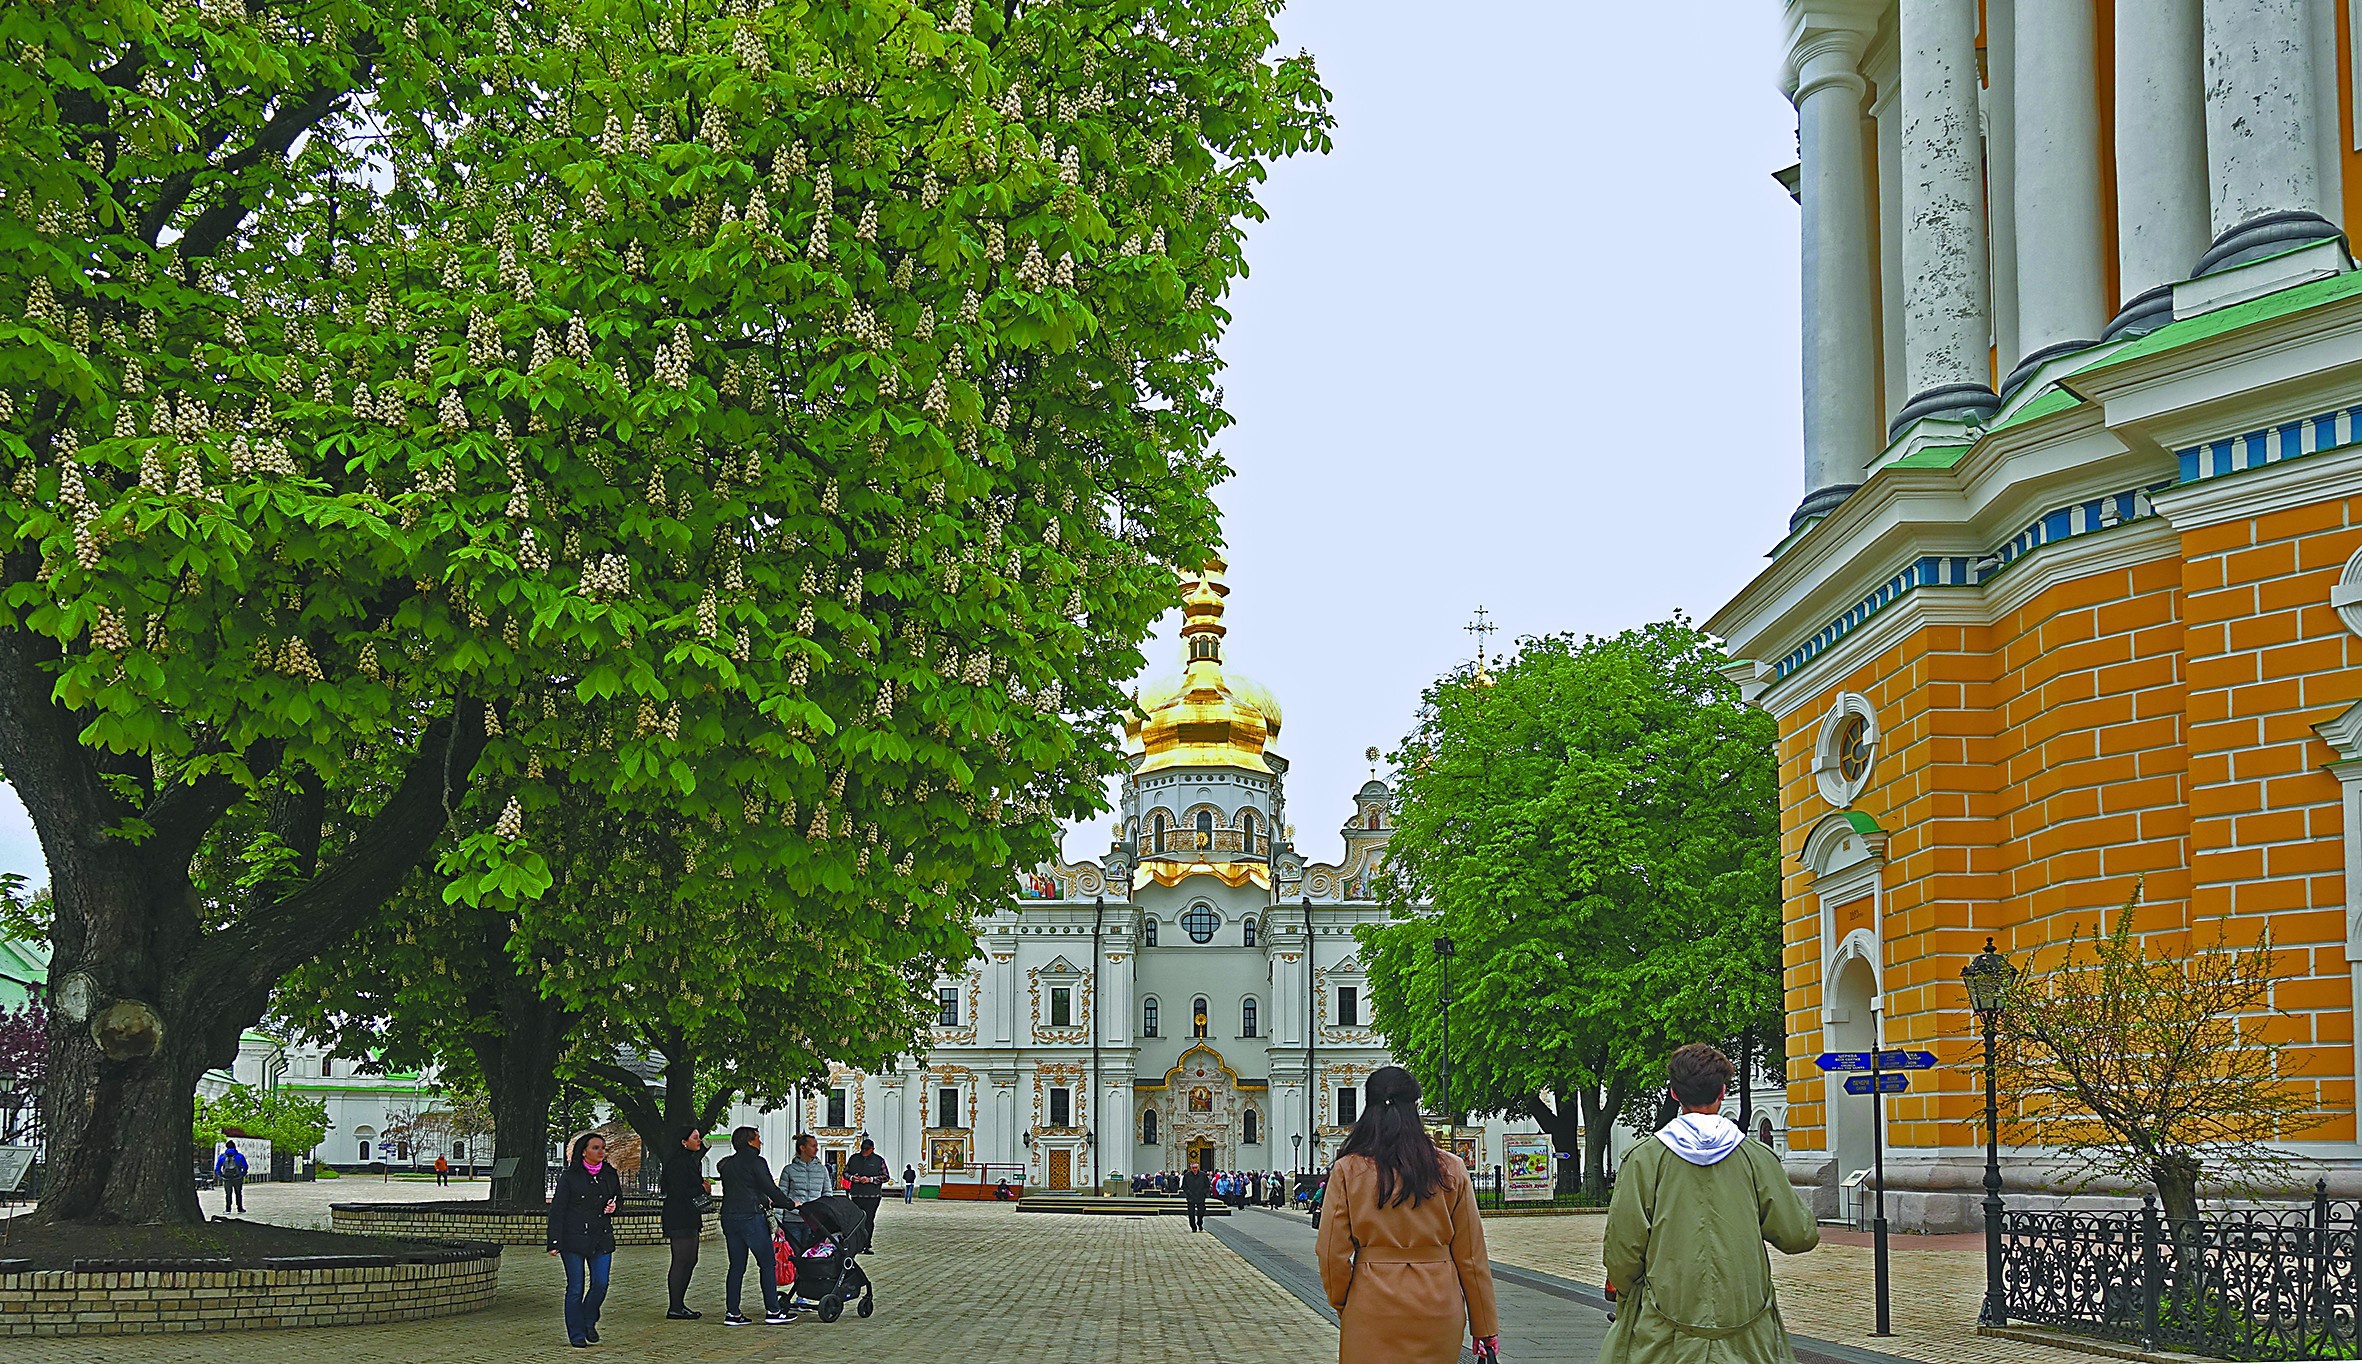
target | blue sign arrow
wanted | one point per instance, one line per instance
(1883, 1084)
(1887, 1060)
(1844, 1060)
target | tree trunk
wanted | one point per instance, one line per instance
(520, 1066)
(1599, 1119)
(1564, 1127)
(2177, 1188)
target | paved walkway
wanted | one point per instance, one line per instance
(1543, 1316)
(972, 1283)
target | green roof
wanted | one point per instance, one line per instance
(1931, 457)
(2239, 315)
(2048, 401)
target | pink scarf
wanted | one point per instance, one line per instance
(593, 1168)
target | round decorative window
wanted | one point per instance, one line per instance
(1200, 923)
(1847, 749)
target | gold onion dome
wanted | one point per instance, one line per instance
(1205, 717)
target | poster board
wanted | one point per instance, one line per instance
(1526, 1166)
(15, 1163)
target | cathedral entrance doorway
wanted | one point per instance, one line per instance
(1061, 1170)
(1201, 1154)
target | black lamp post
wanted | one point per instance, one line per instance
(1988, 977)
(1299, 1153)
(1443, 955)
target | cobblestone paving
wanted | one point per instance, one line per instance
(1937, 1284)
(971, 1283)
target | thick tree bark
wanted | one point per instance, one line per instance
(1564, 1125)
(2177, 1187)
(1599, 1119)
(520, 1066)
(146, 995)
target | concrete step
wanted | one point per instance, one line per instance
(1119, 1205)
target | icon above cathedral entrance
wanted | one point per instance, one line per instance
(1062, 1169)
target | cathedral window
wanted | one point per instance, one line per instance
(1061, 1108)
(947, 1107)
(947, 1006)
(1348, 1105)
(1197, 1016)
(1148, 1016)
(1061, 1007)
(1205, 831)
(1252, 1129)
(1148, 932)
(1246, 1017)
(1250, 935)
(1246, 823)
(1159, 835)
(1348, 1007)
(1201, 921)
(836, 1108)
(1148, 1127)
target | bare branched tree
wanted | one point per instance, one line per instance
(2156, 1070)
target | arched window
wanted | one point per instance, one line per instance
(1160, 831)
(1250, 932)
(1246, 824)
(1148, 1127)
(1197, 1016)
(1205, 830)
(1253, 1130)
(1201, 921)
(1247, 1017)
(365, 1135)
(1148, 1016)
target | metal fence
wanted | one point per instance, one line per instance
(2278, 1284)
(1492, 1192)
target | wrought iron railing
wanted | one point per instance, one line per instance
(1492, 1193)
(2271, 1283)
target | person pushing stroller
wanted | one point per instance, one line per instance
(748, 1192)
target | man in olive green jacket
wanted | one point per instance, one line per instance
(1694, 1207)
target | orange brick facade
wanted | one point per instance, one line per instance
(2151, 724)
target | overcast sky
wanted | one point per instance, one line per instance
(1526, 339)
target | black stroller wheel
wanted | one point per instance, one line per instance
(831, 1308)
(868, 1305)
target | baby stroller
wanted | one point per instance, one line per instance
(829, 1233)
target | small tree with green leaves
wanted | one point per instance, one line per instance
(2153, 1069)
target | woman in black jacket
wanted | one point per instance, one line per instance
(581, 1235)
(748, 1194)
(685, 1190)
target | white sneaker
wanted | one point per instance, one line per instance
(778, 1318)
(737, 1319)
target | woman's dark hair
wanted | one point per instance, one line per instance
(742, 1139)
(1410, 1168)
(582, 1144)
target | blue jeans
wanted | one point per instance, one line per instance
(748, 1234)
(582, 1307)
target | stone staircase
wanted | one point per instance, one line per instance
(1114, 1205)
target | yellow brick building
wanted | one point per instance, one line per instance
(2073, 596)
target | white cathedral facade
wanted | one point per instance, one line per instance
(1195, 994)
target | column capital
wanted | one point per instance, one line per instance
(1825, 29)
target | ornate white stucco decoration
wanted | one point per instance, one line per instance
(1846, 749)
(2346, 595)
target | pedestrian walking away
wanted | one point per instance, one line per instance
(1194, 1187)
(1401, 1246)
(582, 1233)
(866, 1173)
(748, 1195)
(910, 1184)
(442, 1171)
(686, 1197)
(1694, 1208)
(230, 1168)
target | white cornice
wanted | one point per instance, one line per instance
(2254, 492)
(2275, 369)
(2139, 542)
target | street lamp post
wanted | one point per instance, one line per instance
(1988, 977)
(1299, 1153)
(1443, 955)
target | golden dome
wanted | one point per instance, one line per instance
(1205, 717)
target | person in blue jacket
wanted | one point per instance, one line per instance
(230, 1168)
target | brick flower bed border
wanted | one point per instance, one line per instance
(637, 1225)
(294, 1290)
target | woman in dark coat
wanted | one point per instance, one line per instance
(581, 1234)
(685, 1191)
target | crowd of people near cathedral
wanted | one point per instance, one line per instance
(1238, 1188)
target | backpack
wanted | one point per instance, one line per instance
(234, 1162)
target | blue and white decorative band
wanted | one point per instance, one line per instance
(2059, 523)
(2253, 450)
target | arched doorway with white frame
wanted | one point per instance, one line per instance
(1845, 855)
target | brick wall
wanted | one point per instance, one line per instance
(65, 1303)
(634, 1226)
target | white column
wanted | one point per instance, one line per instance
(1947, 328)
(2261, 152)
(2061, 257)
(1840, 328)
(2161, 225)
(2000, 169)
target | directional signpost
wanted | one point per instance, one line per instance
(1877, 1072)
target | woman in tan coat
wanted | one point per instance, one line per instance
(1402, 1253)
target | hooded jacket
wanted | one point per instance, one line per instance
(747, 1187)
(1694, 1207)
